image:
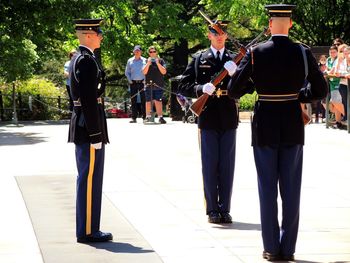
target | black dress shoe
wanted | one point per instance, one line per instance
(214, 217)
(96, 237)
(287, 257)
(132, 121)
(270, 257)
(226, 218)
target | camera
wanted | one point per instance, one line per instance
(153, 60)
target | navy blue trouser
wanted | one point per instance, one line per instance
(279, 166)
(90, 164)
(343, 89)
(218, 150)
(134, 89)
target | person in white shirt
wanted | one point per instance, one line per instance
(341, 72)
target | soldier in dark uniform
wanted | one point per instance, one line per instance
(277, 70)
(88, 131)
(217, 124)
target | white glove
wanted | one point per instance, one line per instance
(97, 146)
(208, 88)
(231, 67)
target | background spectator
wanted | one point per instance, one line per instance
(341, 71)
(335, 104)
(338, 41)
(133, 72)
(66, 74)
(154, 70)
(319, 110)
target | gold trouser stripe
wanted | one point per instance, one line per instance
(199, 139)
(89, 191)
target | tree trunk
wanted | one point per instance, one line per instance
(1, 107)
(180, 57)
(14, 116)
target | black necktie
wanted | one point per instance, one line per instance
(218, 56)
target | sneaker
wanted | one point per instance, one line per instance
(147, 120)
(337, 125)
(162, 121)
(132, 121)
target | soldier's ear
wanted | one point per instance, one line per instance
(290, 23)
(270, 23)
(209, 36)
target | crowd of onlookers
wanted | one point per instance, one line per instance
(146, 84)
(336, 69)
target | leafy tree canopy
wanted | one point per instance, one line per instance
(34, 33)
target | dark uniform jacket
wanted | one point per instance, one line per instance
(88, 121)
(219, 113)
(277, 67)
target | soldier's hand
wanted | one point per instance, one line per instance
(208, 88)
(231, 67)
(97, 146)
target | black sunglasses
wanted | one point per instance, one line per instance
(152, 51)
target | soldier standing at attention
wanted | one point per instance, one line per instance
(278, 72)
(88, 131)
(217, 123)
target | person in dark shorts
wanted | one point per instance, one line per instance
(154, 71)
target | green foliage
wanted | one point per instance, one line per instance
(44, 100)
(42, 87)
(17, 65)
(319, 22)
(247, 102)
(52, 69)
(247, 16)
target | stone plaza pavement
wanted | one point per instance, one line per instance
(153, 197)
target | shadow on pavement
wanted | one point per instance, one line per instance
(20, 138)
(33, 123)
(305, 261)
(119, 247)
(239, 226)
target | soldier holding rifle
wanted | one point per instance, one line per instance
(217, 123)
(277, 68)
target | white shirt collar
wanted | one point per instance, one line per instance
(279, 35)
(141, 58)
(214, 50)
(87, 48)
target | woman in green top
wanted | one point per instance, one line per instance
(335, 105)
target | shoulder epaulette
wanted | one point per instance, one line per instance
(198, 53)
(86, 54)
(75, 62)
(303, 44)
(257, 44)
(79, 57)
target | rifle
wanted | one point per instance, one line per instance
(198, 106)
